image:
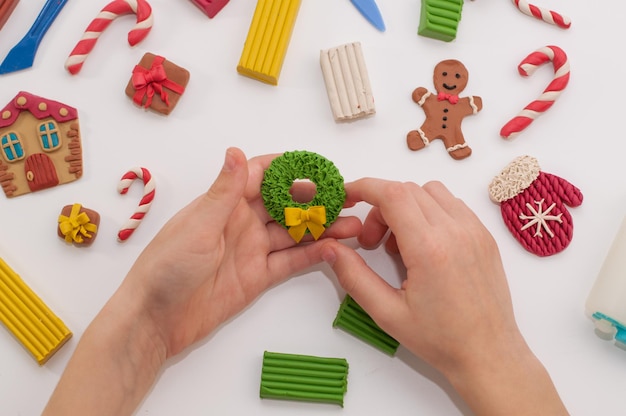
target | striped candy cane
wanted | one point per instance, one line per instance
(550, 94)
(110, 12)
(144, 204)
(541, 13)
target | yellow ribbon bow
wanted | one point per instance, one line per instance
(76, 225)
(299, 220)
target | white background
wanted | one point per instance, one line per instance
(580, 139)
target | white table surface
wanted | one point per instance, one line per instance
(579, 139)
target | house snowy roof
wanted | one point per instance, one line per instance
(39, 107)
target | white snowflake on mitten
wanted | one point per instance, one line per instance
(533, 205)
(540, 218)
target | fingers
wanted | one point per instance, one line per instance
(401, 203)
(382, 193)
(256, 168)
(401, 206)
(344, 227)
(287, 258)
(374, 229)
(290, 261)
(368, 289)
(391, 245)
(449, 203)
(405, 208)
(397, 204)
(218, 203)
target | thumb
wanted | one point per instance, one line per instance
(227, 190)
(365, 286)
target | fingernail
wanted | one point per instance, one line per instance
(329, 255)
(229, 161)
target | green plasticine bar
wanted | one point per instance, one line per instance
(353, 319)
(303, 378)
(318, 381)
(443, 6)
(444, 10)
(369, 335)
(360, 323)
(439, 19)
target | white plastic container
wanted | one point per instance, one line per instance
(606, 304)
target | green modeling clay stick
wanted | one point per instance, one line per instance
(304, 378)
(439, 19)
(353, 319)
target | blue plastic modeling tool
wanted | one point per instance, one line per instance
(369, 10)
(22, 55)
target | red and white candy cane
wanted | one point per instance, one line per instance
(110, 12)
(541, 13)
(145, 203)
(549, 95)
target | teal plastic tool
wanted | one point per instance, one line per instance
(369, 10)
(22, 55)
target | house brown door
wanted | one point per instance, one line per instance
(40, 172)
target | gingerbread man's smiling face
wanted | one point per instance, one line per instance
(450, 76)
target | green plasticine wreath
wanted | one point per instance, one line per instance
(297, 165)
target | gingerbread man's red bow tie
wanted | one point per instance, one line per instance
(445, 96)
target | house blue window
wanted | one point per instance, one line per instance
(49, 136)
(11, 145)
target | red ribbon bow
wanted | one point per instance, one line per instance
(148, 81)
(445, 96)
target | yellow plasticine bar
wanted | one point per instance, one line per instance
(33, 324)
(266, 45)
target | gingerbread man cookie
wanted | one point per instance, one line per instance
(445, 110)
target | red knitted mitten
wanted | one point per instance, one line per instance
(533, 205)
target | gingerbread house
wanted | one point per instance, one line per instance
(40, 145)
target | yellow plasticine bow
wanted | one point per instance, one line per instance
(299, 220)
(76, 225)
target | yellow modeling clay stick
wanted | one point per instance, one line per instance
(266, 45)
(40, 331)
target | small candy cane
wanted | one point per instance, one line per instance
(110, 12)
(144, 204)
(541, 13)
(550, 94)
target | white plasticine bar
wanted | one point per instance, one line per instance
(351, 80)
(335, 85)
(347, 82)
(367, 99)
(350, 76)
(353, 68)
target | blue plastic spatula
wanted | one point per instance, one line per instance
(369, 10)
(23, 54)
